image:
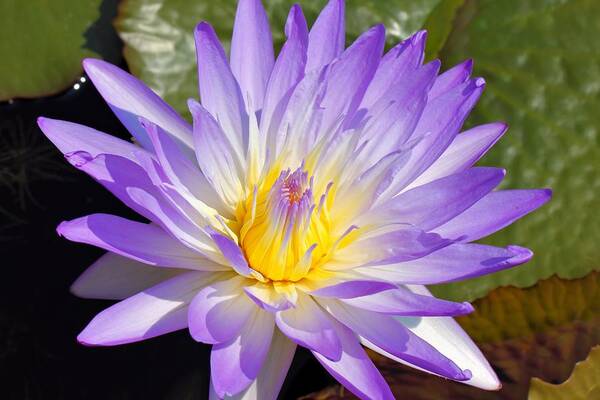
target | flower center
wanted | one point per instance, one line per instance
(284, 232)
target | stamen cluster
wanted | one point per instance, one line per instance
(281, 231)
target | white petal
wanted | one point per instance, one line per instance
(451, 340)
(155, 311)
(273, 372)
(114, 277)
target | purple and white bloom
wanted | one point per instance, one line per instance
(313, 197)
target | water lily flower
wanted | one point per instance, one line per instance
(312, 198)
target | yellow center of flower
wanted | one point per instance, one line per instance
(285, 227)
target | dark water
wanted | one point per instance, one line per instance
(39, 319)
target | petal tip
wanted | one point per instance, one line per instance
(521, 254)
(295, 22)
(92, 65)
(87, 63)
(461, 375)
(203, 27)
(419, 37)
(466, 308)
(375, 34)
(469, 64)
(193, 105)
(76, 290)
(492, 385)
(502, 126)
(62, 228)
(378, 30)
(42, 122)
(437, 64)
(86, 340)
(467, 374)
(548, 193)
(337, 4)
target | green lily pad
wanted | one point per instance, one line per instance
(159, 45)
(43, 43)
(541, 61)
(439, 25)
(542, 332)
(582, 385)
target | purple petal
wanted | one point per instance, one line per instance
(235, 364)
(180, 226)
(219, 91)
(267, 298)
(287, 72)
(395, 67)
(393, 337)
(448, 111)
(494, 212)
(179, 169)
(354, 369)
(451, 78)
(130, 98)
(131, 184)
(218, 313)
(466, 149)
(153, 312)
(394, 116)
(113, 277)
(450, 339)
(309, 326)
(70, 138)
(216, 155)
(302, 114)
(403, 244)
(145, 243)
(349, 76)
(401, 301)
(327, 36)
(272, 374)
(442, 119)
(117, 174)
(358, 195)
(196, 212)
(453, 263)
(232, 252)
(252, 51)
(351, 289)
(276, 366)
(435, 203)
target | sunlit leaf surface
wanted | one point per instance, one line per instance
(439, 25)
(42, 43)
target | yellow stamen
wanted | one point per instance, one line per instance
(284, 228)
